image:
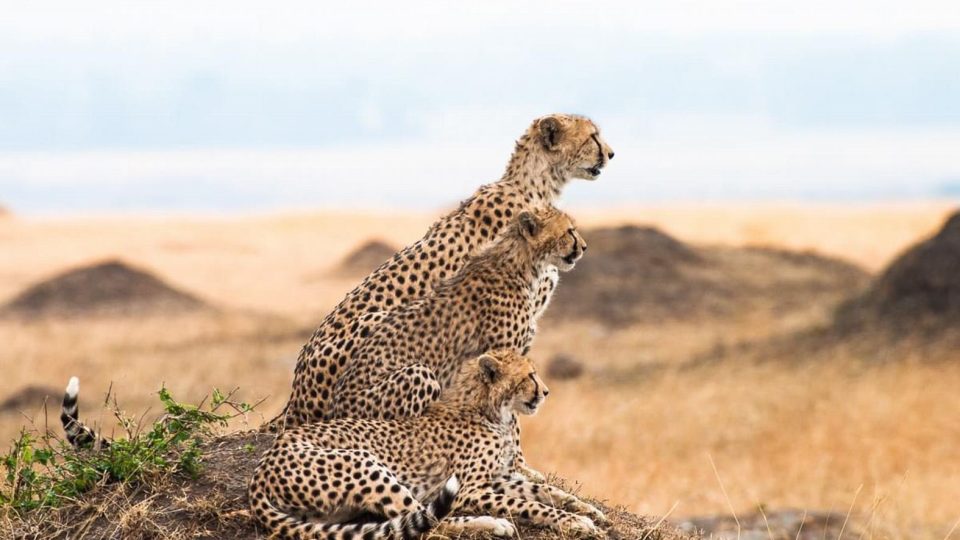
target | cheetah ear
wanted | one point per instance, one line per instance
(550, 132)
(489, 368)
(529, 225)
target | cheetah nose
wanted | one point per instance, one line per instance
(546, 392)
(609, 155)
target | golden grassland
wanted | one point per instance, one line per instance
(646, 427)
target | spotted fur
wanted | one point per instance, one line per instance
(554, 150)
(318, 475)
(403, 362)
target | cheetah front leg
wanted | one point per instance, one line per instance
(547, 494)
(404, 392)
(520, 465)
(485, 500)
(546, 284)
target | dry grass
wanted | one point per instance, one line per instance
(639, 429)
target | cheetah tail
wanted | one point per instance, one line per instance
(443, 504)
(78, 434)
(415, 524)
(276, 424)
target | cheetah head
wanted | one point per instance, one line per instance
(512, 381)
(553, 236)
(572, 144)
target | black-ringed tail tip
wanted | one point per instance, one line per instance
(77, 434)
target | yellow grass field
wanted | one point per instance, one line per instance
(643, 428)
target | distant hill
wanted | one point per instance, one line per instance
(29, 398)
(364, 259)
(921, 287)
(640, 274)
(911, 310)
(105, 288)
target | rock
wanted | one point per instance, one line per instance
(786, 524)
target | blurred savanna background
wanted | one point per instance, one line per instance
(763, 339)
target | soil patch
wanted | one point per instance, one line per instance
(787, 524)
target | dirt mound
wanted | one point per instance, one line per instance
(640, 274)
(106, 288)
(920, 287)
(215, 506)
(364, 259)
(30, 398)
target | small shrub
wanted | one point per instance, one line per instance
(42, 471)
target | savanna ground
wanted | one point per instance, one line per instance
(651, 425)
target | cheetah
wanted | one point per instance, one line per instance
(554, 149)
(404, 361)
(318, 477)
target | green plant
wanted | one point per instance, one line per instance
(42, 470)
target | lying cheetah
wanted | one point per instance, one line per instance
(554, 150)
(403, 361)
(318, 476)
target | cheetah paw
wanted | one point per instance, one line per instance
(504, 528)
(532, 475)
(496, 526)
(581, 526)
(595, 515)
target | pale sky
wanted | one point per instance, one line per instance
(240, 106)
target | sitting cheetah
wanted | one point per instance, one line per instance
(554, 150)
(318, 476)
(402, 362)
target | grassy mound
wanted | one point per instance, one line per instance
(214, 505)
(172, 480)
